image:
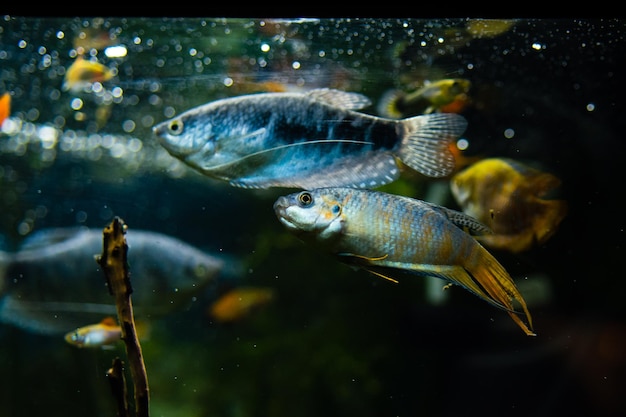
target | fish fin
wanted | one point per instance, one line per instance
(109, 321)
(371, 171)
(389, 104)
(48, 317)
(368, 170)
(344, 99)
(425, 144)
(381, 275)
(361, 262)
(496, 282)
(462, 220)
(47, 237)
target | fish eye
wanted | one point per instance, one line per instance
(305, 198)
(176, 127)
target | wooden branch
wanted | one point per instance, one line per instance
(115, 266)
(118, 387)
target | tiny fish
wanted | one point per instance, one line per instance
(103, 334)
(506, 195)
(53, 282)
(445, 96)
(307, 140)
(388, 234)
(240, 302)
(83, 73)
(5, 107)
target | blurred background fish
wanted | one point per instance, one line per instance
(506, 195)
(445, 96)
(5, 107)
(53, 283)
(388, 234)
(83, 73)
(307, 140)
(240, 302)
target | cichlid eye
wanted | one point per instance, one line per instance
(305, 198)
(176, 127)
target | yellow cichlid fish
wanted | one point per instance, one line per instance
(388, 234)
(506, 196)
(444, 96)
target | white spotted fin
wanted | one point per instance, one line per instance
(425, 144)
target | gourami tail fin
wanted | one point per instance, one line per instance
(425, 143)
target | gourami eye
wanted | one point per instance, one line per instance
(176, 127)
(305, 198)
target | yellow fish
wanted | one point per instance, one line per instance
(239, 302)
(506, 196)
(83, 73)
(5, 107)
(443, 96)
(103, 334)
(388, 235)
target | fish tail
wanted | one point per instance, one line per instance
(425, 142)
(497, 282)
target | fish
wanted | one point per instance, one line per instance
(83, 73)
(104, 334)
(5, 107)
(52, 282)
(240, 302)
(507, 196)
(391, 235)
(307, 140)
(448, 95)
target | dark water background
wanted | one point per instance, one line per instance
(335, 341)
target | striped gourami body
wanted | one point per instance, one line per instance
(307, 140)
(385, 233)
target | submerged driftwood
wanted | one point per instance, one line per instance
(114, 264)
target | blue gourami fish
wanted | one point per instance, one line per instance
(507, 196)
(53, 283)
(388, 235)
(307, 140)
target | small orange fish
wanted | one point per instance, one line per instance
(83, 73)
(239, 302)
(5, 107)
(506, 196)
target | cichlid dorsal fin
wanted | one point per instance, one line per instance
(462, 220)
(338, 98)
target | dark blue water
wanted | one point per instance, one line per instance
(334, 341)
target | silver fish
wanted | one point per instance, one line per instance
(388, 234)
(307, 140)
(53, 281)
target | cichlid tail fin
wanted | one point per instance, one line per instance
(425, 144)
(499, 285)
